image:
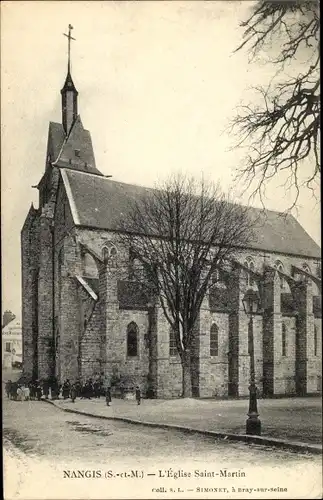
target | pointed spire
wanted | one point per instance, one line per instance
(69, 92)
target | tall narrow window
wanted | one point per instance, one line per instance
(315, 340)
(214, 340)
(250, 267)
(8, 347)
(132, 339)
(172, 343)
(284, 350)
(105, 253)
(279, 266)
(113, 252)
(307, 269)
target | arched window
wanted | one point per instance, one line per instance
(132, 339)
(315, 340)
(136, 271)
(172, 343)
(284, 340)
(109, 252)
(105, 253)
(306, 268)
(250, 266)
(113, 252)
(279, 266)
(214, 340)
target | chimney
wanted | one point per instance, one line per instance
(7, 317)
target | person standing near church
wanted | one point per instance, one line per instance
(73, 393)
(26, 393)
(66, 389)
(108, 396)
(122, 389)
(138, 395)
(20, 393)
(38, 391)
(8, 388)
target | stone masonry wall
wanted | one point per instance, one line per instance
(91, 336)
(134, 368)
(287, 363)
(218, 365)
(46, 341)
(29, 287)
(317, 359)
(169, 369)
(70, 325)
(45, 298)
(108, 327)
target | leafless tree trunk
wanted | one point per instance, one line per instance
(283, 130)
(181, 232)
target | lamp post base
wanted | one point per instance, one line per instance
(253, 425)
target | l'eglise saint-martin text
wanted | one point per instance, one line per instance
(181, 473)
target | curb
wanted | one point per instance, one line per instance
(268, 441)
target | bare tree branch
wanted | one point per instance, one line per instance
(283, 130)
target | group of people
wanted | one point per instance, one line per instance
(89, 389)
(35, 389)
(23, 391)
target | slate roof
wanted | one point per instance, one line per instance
(100, 203)
(56, 136)
(74, 151)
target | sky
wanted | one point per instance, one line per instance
(158, 83)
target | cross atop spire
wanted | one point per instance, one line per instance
(69, 36)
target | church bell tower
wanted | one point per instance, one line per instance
(69, 92)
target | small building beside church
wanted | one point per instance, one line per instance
(11, 344)
(86, 313)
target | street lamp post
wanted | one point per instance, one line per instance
(251, 302)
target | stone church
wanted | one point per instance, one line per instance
(84, 313)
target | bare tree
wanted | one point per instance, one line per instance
(181, 233)
(283, 130)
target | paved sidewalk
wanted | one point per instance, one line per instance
(289, 419)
